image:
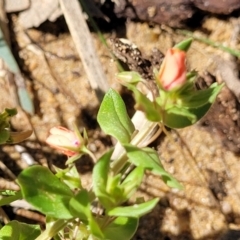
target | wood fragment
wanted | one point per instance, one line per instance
(9, 172)
(8, 185)
(85, 46)
(4, 216)
(30, 214)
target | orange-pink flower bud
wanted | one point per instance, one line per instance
(172, 74)
(64, 140)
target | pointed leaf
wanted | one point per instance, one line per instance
(95, 229)
(132, 182)
(121, 228)
(43, 190)
(148, 158)
(100, 179)
(137, 210)
(80, 205)
(177, 117)
(113, 117)
(202, 97)
(114, 188)
(19, 231)
(4, 136)
(184, 45)
(185, 117)
(11, 198)
(151, 109)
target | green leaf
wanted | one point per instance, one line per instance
(19, 231)
(70, 176)
(137, 210)
(147, 158)
(192, 106)
(43, 190)
(178, 117)
(132, 182)
(113, 118)
(100, 180)
(121, 228)
(4, 135)
(73, 158)
(114, 187)
(8, 200)
(80, 205)
(53, 227)
(11, 111)
(186, 117)
(151, 109)
(184, 45)
(202, 97)
(95, 229)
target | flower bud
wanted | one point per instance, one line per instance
(129, 77)
(64, 140)
(172, 74)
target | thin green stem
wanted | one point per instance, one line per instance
(8, 200)
(87, 151)
(234, 52)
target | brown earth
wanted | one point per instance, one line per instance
(209, 205)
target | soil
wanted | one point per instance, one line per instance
(209, 206)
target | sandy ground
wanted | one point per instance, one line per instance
(209, 205)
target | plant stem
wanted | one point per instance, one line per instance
(210, 42)
(7, 200)
(87, 151)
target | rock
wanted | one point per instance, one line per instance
(217, 6)
(174, 13)
(170, 12)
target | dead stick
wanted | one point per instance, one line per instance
(85, 46)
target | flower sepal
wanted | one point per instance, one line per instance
(184, 45)
(73, 159)
(129, 77)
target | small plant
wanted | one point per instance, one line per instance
(73, 212)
